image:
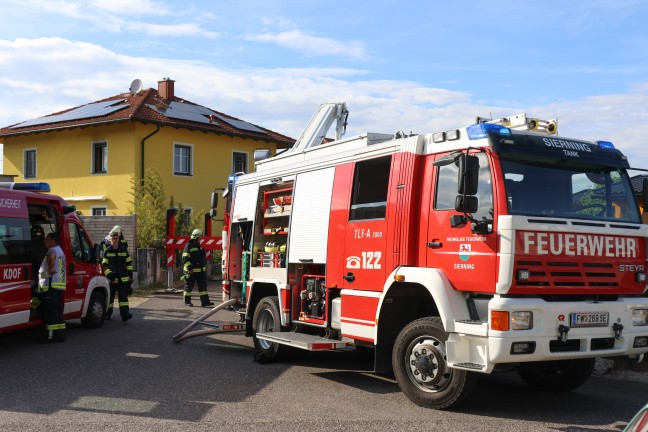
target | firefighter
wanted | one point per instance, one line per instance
(118, 269)
(106, 241)
(194, 266)
(51, 290)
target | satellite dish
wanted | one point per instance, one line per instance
(136, 86)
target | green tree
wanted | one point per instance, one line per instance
(149, 205)
(182, 221)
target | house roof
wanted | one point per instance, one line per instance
(637, 182)
(147, 106)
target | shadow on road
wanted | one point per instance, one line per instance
(131, 368)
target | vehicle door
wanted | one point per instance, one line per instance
(365, 238)
(81, 268)
(466, 253)
(15, 289)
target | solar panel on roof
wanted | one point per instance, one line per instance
(180, 111)
(240, 124)
(97, 109)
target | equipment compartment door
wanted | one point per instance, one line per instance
(468, 258)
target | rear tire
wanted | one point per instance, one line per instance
(267, 319)
(96, 312)
(559, 376)
(421, 366)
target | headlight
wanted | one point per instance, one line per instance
(521, 320)
(639, 317)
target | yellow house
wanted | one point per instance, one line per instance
(89, 154)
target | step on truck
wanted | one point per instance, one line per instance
(492, 247)
(27, 215)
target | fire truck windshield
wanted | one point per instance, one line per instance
(561, 190)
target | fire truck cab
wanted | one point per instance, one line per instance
(472, 250)
(27, 215)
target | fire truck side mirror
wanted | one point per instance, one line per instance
(214, 200)
(468, 174)
(466, 204)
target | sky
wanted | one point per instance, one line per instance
(417, 66)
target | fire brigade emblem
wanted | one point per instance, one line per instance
(464, 252)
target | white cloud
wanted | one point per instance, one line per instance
(129, 7)
(313, 46)
(42, 76)
(170, 30)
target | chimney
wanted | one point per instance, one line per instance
(165, 88)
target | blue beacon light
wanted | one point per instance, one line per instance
(481, 130)
(605, 144)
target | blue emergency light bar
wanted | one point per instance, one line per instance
(605, 144)
(27, 186)
(481, 130)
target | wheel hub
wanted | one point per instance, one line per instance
(427, 364)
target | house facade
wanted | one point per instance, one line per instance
(90, 154)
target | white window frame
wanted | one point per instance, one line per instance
(25, 151)
(247, 160)
(191, 159)
(100, 208)
(92, 160)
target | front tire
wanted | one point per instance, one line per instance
(96, 312)
(267, 319)
(421, 366)
(559, 376)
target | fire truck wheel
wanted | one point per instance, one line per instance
(96, 311)
(557, 376)
(421, 369)
(267, 319)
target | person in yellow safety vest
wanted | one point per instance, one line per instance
(118, 269)
(51, 290)
(194, 266)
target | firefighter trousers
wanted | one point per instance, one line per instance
(52, 307)
(199, 278)
(121, 289)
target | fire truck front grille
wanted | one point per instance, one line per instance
(566, 274)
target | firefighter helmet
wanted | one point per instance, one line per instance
(196, 233)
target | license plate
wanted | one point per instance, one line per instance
(589, 319)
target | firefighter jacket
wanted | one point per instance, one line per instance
(117, 264)
(194, 258)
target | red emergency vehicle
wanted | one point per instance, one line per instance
(26, 216)
(496, 246)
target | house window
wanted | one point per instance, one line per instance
(370, 186)
(99, 211)
(182, 159)
(29, 162)
(100, 157)
(240, 162)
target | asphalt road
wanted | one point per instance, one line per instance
(132, 377)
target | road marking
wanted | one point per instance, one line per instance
(141, 355)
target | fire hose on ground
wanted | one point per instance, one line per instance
(215, 328)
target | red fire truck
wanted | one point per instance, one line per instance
(492, 247)
(27, 215)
